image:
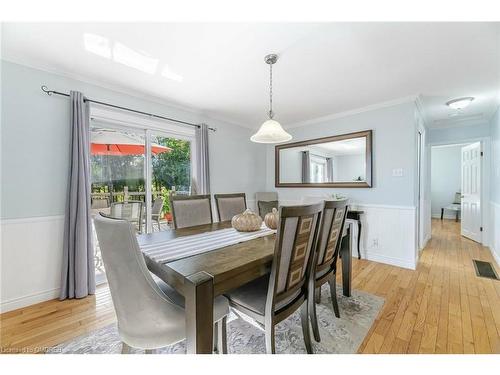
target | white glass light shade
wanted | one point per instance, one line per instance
(460, 103)
(270, 132)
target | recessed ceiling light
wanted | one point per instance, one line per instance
(168, 73)
(97, 44)
(460, 103)
(134, 59)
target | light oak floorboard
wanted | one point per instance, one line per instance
(442, 307)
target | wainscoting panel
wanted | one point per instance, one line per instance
(31, 260)
(495, 231)
(389, 234)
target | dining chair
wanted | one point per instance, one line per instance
(274, 297)
(131, 211)
(266, 201)
(150, 315)
(229, 205)
(325, 258)
(191, 210)
(156, 211)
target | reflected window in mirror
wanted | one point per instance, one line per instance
(343, 161)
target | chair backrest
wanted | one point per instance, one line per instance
(131, 211)
(458, 198)
(157, 206)
(293, 253)
(141, 307)
(191, 210)
(330, 235)
(98, 203)
(229, 205)
(266, 201)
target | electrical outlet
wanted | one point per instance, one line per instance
(397, 172)
(375, 243)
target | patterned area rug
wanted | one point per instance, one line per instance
(343, 335)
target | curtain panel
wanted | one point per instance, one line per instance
(78, 273)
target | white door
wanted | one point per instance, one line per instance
(471, 191)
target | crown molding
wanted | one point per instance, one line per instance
(390, 103)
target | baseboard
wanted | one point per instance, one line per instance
(495, 256)
(31, 299)
(404, 263)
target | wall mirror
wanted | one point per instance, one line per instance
(337, 161)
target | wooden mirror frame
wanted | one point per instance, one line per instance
(361, 184)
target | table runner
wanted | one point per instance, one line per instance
(183, 247)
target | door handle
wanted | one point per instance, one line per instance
(462, 196)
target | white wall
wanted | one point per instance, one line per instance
(446, 177)
(495, 186)
(389, 223)
(34, 165)
(349, 167)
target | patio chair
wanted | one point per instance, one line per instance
(131, 211)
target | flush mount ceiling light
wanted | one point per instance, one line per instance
(271, 130)
(460, 103)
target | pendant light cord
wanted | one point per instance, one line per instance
(271, 114)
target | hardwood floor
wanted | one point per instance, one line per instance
(442, 307)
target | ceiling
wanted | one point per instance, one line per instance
(323, 68)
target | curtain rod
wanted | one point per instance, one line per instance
(50, 92)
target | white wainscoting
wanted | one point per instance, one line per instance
(495, 231)
(31, 260)
(388, 233)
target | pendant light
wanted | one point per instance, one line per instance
(271, 130)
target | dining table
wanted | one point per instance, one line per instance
(202, 277)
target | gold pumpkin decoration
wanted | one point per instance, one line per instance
(248, 221)
(271, 219)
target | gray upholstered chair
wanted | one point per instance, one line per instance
(265, 202)
(131, 211)
(272, 298)
(325, 259)
(191, 210)
(156, 211)
(150, 315)
(229, 205)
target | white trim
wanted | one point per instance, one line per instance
(29, 299)
(390, 103)
(387, 206)
(398, 262)
(32, 219)
(494, 255)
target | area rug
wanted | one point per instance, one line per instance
(344, 335)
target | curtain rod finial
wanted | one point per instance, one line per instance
(46, 90)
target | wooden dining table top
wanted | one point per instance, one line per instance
(228, 265)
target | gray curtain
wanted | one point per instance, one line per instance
(78, 273)
(306, 167)
(202, 183)
(329, 169)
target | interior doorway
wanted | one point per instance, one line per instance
(456, 187)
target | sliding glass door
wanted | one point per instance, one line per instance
(133, 171)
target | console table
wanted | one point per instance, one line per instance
(356, 215)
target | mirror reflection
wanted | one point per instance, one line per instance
(338, 161)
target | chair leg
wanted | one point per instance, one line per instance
(317, 294)
(222, 336)
(125, 348)
(270, 339)
(304, 315)
(311, 300)
(333, 292)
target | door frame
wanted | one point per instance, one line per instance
(485, 179)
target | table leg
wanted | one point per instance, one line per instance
(456, 217)
(346, 251)
(442, 212)
(359, 237)
(199, 295)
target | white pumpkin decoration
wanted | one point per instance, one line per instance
(248, 221)
(271, 219)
